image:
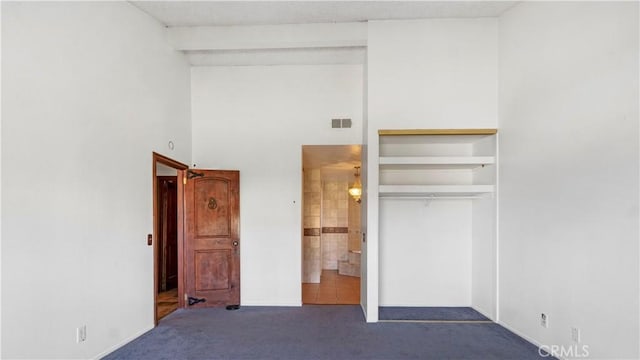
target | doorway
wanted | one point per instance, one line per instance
(167, 270)
(331, 224)
(202, 261)
(167, 239)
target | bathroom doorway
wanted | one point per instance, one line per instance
(331, 234)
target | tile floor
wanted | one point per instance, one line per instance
(332, 289)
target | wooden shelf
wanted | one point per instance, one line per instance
(433, 190)
(435, 162)
(409, 132)
(425, 156)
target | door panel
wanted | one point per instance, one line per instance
(212, 242)
(213, 270)
(212, 194)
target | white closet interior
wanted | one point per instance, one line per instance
(438, 218)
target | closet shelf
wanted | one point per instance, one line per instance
(433, 190)
(435, 162)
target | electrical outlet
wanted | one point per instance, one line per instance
(575, 334)
(81, 334)
(544, 320)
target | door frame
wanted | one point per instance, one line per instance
(180, 169)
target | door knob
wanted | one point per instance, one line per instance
(235, 243)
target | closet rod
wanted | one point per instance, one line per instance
(432, 197)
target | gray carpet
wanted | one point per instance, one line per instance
(317, 332)
(430, 313)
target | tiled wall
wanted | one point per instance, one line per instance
(335, 222)
(355, 235)
(331, 225)
(311, 268)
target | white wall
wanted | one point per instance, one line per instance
(484, 234)
(255, 119)
(438, 73)
(0, 199)
(89, 91)
(425, 253)
(424, 74)
(569, 174)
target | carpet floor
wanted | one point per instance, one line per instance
(317, 332)
(430, 313)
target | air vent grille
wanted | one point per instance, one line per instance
(341, 123)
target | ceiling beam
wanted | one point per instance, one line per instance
(301, 56)
(263, 37)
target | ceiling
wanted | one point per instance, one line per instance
(225, 13)
(211, 23)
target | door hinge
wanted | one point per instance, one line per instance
(192, 174)
(184, 180)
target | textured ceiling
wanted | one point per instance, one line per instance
(222, 13)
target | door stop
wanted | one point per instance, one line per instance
(193, 301)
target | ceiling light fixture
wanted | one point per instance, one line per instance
(356, 189)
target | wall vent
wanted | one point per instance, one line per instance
(341, 123)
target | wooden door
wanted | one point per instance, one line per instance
(212, 241)
(168, 232)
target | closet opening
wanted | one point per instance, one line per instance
(331, 224)
(437, 225)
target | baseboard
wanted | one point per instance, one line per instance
(122, 343)
(371, 318)
(528, 338)
(484, 313)
(364, 312)
(510, 328)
